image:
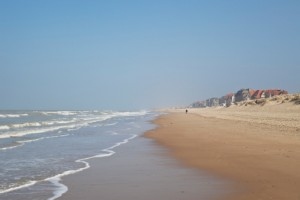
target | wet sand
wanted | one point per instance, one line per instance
(261, 154)
(143, 170)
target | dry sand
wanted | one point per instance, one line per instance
(257, 147)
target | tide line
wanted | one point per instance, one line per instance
(57, 178)
(63, 188)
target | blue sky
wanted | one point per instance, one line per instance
(125, 55)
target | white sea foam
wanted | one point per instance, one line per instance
(60, 125)
(34, 131)
(28, 124)
(74, 129)
(11, 147)
(65, 122)
(49, 123)
(21, 133)
(65, 113)
(57, 178)
(63, 188)
(139, 113)
(22, 142)
(36, 124)
(111, 124)
(28, 184)
(75, 123)
(12, 115)
(5, 127)
(42, 138)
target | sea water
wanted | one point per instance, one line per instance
(38, 148)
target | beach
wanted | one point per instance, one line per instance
(38, 149)
(255, 147)
(149, 100)
(218, 153)
(235, 153)
(143, 170)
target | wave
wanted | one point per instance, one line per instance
(57, 178)
(35, 131)
(15, 145)
(74, 123)
(27, 184)
(64, 113)
(63, 188)
(12, 115)
(5, 127)
(22, 142)
(28, 124)
(139, 113)
(73, 129)
(19, 128)
(70, 113)
(63, 122)
(42, 138)
(43, 123)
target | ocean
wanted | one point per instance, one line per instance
(38, 148)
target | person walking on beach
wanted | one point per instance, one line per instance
(186, 111)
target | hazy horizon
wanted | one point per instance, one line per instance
(131, 55)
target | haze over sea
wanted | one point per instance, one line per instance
(37, 148)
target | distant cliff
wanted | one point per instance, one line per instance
(241, 95)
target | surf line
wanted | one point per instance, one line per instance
(56, 180)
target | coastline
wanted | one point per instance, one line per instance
(260, 154)
(142, 170)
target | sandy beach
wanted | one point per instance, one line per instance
(235, 153)
(94, 99)
(256, 147)
(143, 170)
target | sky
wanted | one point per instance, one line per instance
(131, 55)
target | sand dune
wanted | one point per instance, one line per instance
(285, 116)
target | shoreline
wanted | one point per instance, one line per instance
(142, 170)
(262, 159)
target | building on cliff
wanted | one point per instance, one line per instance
(226, 100)
(244, 94)
(212, 102)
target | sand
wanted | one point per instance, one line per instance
(256, 147)
(236, 153)
(142, 170)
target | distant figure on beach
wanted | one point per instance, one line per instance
(186, 111)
